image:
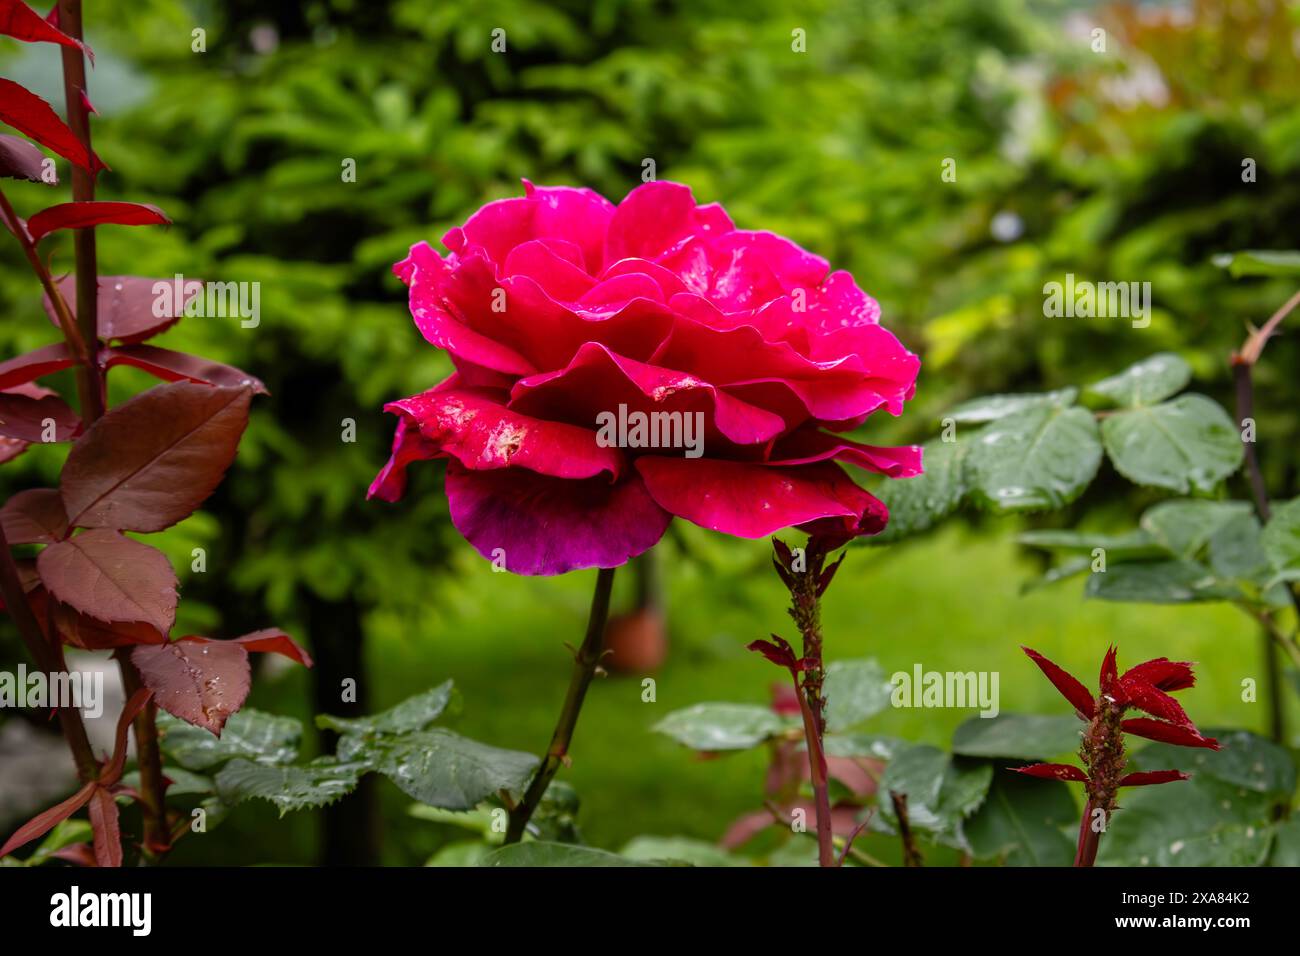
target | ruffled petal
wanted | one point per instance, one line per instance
(475, 427)
(598, 380)
(535, 524)
(810, 445)
(655, 218)
(753, 501)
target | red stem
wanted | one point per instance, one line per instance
(1089, 838)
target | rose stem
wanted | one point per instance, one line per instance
(1243, 365)
(911, 853)
(94, 397)
(1089, 838)
(585, 662)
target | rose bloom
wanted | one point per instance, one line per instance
(559, 306)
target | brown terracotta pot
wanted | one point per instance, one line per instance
(637, 642)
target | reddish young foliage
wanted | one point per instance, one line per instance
(80, 215)
(111, 577)
(151, 461)
(34, 118)
(201, 682)
(34, 516)
(126, 310)
(44, 361)
(171, 366)
(104, 823)
(23, 23)
(269, 640)
(19, 159)
(24, 417)
(92, 634)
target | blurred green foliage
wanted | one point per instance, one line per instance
(1125, 165)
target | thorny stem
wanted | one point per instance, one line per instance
(157, 835)
(845, 846)
(585, 664)
(47, 659)
(1243, 364)
(911, 852)
(806, 583)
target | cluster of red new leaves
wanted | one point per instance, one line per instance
(141, 467)
(1145, 687)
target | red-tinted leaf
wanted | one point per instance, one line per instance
(270, 640)
(1167, 733)
(1066, 683)
(112, 771)
(44, 361)
(1147, 777)
(34, 516)
(33, 117)
(149, 462)
(1109, 678)
(80, 215)
(82, 630)
(1163, 674)
(1054, 771)
(78, 854)
(104, 824)
(778, 651)
(43, 823)
(111, 577)
(26, 418)
(171, 366)
(130, 310)
(19, 159)
(31, 582)
(202, 682)
(1155, 702)
(23, 23)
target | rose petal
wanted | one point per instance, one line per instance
(537, 524)
(598, 380)
(753, 501)
(809, 445)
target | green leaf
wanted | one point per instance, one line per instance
(1026, 820)
(1061, 572)
(444, 769)
(1184, 527)
(1197, 822)
(414, 713)
(1281, 536)
(461, 853)
(1236, 550)
(182, 781)
(317, 784)
(679, 850)
(265, 738)
(1260, 262)
(537, 853)
(711, 727)
(1158, 582)
(915, 504)
(989, 408)
(1145, 383)
(1286, 844)
(1017, 736)
(1041, 457)
(872, 746)
(1188, 444)
(941, 791)
(1244, 760)
(64, 834)
(1131, 544)
(854, 691)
